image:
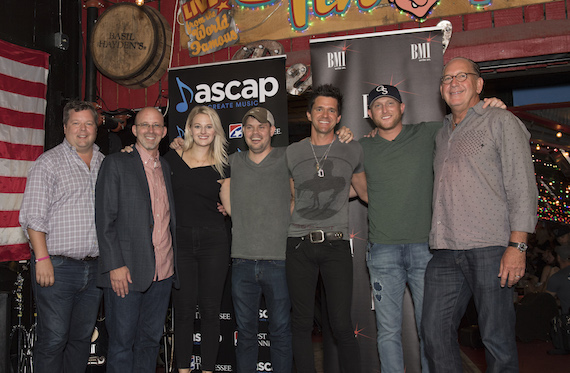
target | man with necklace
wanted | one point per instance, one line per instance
(322, 171)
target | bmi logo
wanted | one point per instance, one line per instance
(336, 60)
(421, 52)
(235, 131)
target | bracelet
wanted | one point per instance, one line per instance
(42, 258)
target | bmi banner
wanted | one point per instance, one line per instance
(412, 61)
(231, 88)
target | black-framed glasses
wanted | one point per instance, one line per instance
(461, 77)
(154, 126)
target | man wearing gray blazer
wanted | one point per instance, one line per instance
(134, 213)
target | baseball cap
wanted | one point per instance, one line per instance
(261, 114)
(384, 90)
(563, 251)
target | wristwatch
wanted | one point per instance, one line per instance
(519, 245)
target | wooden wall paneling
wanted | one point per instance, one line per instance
(207, 58)
(457, 23)
(555, 10)
(534, 13)
(508, 17)
(138, 98)
(108, 92)
(286, 43)
(300, 44)
(477, 21)
(221, 55)
(361, 31)
(409, 25)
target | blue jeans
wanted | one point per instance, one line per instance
(135, 324)
(391, 267)
(333, 260)
(251, 278)
(67, 312)
(452, 277)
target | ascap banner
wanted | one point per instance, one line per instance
(208, 25)
(412, 61)
(282, 19)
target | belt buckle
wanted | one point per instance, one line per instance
(317, 236)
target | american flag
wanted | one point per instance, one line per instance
(23, 86)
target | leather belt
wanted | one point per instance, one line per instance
(320, 236)
(86, 259)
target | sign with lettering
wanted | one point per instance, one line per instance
(282, 19)
(208, 25)
(231, 88)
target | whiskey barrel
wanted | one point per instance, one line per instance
(130, 45)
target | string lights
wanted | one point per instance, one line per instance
(553, 186)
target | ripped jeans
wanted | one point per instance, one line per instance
(391, 267)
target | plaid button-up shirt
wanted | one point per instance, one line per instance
(59, 200)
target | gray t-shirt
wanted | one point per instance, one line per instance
(322, 203)
(260, 198)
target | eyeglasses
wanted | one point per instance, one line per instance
(461, 77)
(154, 126)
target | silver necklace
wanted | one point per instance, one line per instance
(320, 171)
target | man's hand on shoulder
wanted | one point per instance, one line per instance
(372, 133)
(120, 280)
(494, 102)
(177, 143)
(345, 134)
(128, 148)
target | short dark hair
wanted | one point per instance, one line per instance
(76, 106)
(326, 90)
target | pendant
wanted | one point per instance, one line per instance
(321, 172)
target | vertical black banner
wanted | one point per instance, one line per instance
(412, 61)
(231, 88)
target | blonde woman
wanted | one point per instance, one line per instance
(198, 170)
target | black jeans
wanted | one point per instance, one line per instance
(203, 262)
(334, 261)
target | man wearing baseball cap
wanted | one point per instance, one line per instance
(399, 171)
(259, 238)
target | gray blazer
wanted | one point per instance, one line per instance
(123, 215)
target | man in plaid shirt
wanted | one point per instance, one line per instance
(58, 216)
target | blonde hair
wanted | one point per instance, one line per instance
(218, 147)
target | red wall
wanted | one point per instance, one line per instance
(492, 35)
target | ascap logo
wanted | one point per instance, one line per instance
(336, 60)
(249, 92)
(421, 52)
